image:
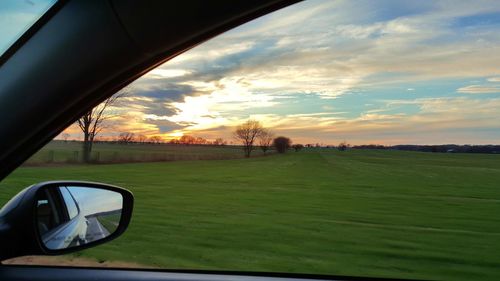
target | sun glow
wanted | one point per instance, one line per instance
(328, 71)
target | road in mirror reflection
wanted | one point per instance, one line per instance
(70, 216)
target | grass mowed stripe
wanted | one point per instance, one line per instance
(371, 213)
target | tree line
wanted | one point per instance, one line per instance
(444, 148)
(252, 134)
(127, 137)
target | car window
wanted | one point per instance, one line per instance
(48, 219)
(69, 201)
(17, 16)
(355, 138)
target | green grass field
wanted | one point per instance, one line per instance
(110, 222)
(364, 213)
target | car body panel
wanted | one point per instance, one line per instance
(40, 273)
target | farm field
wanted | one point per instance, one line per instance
(360, 212)
(63, 152)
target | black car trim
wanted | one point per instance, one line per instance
(110, 273)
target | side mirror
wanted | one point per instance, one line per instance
(59, 217)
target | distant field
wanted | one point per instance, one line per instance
(369, 213)
(70, 152)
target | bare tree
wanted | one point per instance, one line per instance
(266, 140)
(91, 123)
(219, 141)
(200, 140)
(187, 139)
(65, 136)
(126, 137)
(247, 133)
(343, 146)
(142, 138)
(173, 141)
(155, 139)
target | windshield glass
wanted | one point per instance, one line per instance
(357, 138)
(16, 16)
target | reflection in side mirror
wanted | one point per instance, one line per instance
(70, 216)
(60, 217)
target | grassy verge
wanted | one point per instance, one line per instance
(109, 222)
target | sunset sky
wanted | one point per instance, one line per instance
(385, 72)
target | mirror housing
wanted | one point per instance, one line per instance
(20, 232)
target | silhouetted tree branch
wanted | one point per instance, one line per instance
(91, 123)
(247, 133)
(266, 140)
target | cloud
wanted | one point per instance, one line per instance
(479, 89)
(162, 89)
(308, 71)
(143, 104)
(330, 59)
(443, 120)
(439, 120)
(159, 73)
(334, 53)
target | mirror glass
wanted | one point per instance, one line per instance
(70, 216)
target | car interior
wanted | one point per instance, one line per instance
(77, 54)
(50, 216)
